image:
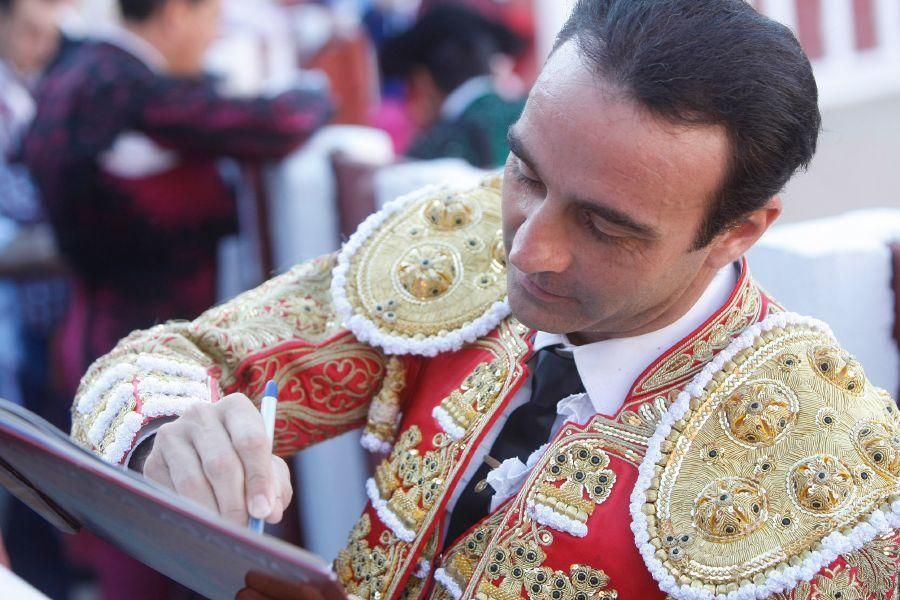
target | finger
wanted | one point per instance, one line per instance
(222, 467)
(248, 436)
(285, 489)
(186, 472)
(250, 594)
(156, 470)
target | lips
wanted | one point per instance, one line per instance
(539, 291)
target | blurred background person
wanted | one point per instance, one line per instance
(33, 295)
(447, 60)
(126, 150)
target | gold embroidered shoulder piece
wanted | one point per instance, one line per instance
(776, 460)
(427, 273)
(285, 329)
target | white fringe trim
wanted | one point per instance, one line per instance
(166, 406)
(549, 517)
(387, 517)
(153, 407)
(374, 444)
(786, 577)
(124, 438)
(423, 569)
(118, 398)
(443, 578)
(153, 363)
(190, 389)
(368, 331)
(117, 373)
(447, 423)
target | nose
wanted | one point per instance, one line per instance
(541, 244)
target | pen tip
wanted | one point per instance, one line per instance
(271, 389)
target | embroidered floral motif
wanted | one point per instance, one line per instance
(572, 472)
(409, 482)
(384, 412)
(363, 571)
(876, 566)
(516, 567)
(476, 396)
(296, 304)
(776, 506)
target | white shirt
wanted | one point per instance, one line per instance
(607, 369)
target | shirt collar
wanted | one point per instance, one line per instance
(135, 45)
(462, 97)
(609, 368)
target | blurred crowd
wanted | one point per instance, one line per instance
(128, 130)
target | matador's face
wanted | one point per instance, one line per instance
(602, 205)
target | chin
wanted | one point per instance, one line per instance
(535, 316)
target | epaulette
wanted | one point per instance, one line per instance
(776, 460)
(427, 273)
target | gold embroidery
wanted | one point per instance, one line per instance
(509, 557)
(427, 272)
(296, 305)
(365, 571)
(759, 502)
(730, 508)
(345, 375)
(876, 565)
(384, 412)
(582, 470)
(412, 480)
(477, 394)
(582, 583)
(838, 367)
(759, 413)
(409, 482)
(516, 566)
(743, 312)
(430, 268)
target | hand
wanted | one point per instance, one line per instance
(261, 586)
(219, 456)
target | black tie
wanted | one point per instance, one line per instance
(529, 426)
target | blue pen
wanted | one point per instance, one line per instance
(267, 407)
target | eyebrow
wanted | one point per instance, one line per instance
(612, 215)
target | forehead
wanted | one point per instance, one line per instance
(589, 139)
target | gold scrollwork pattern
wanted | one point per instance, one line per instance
(365, 571)
(838, 367)
(743, 311)
(411, 482)
(573, 482)
(476, 395)
(514, 568)
(869, 573)
(759, 413)
(384, 412)
(430, 268)
(762, 467)
(296, 305)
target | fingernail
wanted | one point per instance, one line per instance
(260, 507)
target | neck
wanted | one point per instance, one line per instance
(660, 316)
(152, 34)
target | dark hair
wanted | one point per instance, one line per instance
(141, 10)
(711, 62)
(453, 43)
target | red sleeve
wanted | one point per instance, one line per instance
(192, 115)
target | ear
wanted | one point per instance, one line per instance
(732, 243)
